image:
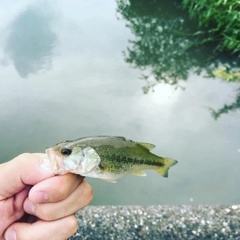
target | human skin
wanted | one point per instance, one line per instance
(35, 204)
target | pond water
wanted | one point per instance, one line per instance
(64, 75)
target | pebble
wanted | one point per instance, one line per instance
(158, 222)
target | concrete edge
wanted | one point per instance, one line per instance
(159, 222)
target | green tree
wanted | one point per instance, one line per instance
(221, 17)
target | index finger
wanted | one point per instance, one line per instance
(23, 170)
(55, 189)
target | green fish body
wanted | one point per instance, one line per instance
(108, 157)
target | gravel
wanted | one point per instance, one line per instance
(158, 222)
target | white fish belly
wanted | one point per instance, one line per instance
(102, 175)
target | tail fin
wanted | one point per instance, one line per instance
(167, 164)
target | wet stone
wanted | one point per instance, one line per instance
(158, 222)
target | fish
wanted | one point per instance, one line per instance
(107, 158)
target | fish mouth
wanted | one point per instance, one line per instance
(56, 162)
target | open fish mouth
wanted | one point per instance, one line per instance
(56, 162)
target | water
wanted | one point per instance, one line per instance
(64, 76)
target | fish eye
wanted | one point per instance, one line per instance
(66, 151)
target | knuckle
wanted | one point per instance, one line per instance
(71, 225)
(45, 214)
(88, 192)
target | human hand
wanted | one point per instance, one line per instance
(35, 204)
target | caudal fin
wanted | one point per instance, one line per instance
(167, 164)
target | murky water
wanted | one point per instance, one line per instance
(64, 76)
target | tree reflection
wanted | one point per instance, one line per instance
(168, 45)
(216, 114)
(30, 41)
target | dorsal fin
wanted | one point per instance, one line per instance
(149, 146)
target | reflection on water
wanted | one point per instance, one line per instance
(168, 46)
(90, 90)
(167, 41)
(227, 108)
(31, 40)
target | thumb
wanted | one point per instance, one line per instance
(25, 169)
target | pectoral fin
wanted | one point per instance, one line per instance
(139, 173)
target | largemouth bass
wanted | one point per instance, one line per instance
(106, 157)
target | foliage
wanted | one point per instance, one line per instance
(227, 75)
(220, 17)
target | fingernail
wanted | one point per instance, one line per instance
(29, 207)
(10, 234)
(40, 197)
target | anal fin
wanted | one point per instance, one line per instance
(106, 180)
(139, 173)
